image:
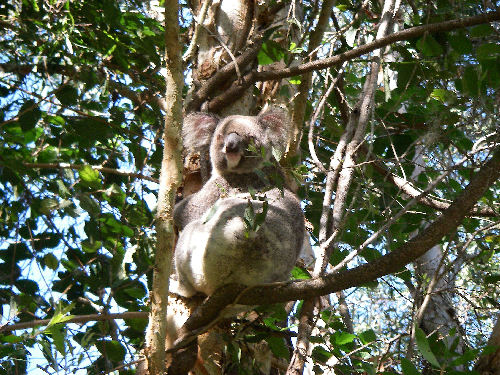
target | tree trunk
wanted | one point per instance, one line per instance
(490, 364)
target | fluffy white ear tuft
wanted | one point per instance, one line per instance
(198, 130)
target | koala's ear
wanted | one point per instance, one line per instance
(276, 119)
(198, 129)
(277, 126)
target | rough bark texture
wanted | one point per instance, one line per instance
(306, 321)
(170, 178)
(490, 364)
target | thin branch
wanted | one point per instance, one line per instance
(306, 319)
(223, 75)
(412, 191)
(198, 22)
(314, 118)
(76, 319)
(395, 218)
(489, 364)
(387, 264)
(94, 167)
(250, 78)
(300, 100)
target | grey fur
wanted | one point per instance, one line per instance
(215, 245)
(197, 134)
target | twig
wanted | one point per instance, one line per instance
(396, 217)
(94, 167)
(315, 116)
(199, 21)
(247, 80)
(76, 319)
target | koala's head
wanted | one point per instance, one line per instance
(242, 144)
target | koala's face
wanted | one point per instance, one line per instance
(236, 145)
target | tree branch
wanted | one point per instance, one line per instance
(76, 319)
(170, 179)
(250, 78)
(223, 75)
(489, 364)
(389, 263)
(306, 319)
(412, 191)
(95, 167)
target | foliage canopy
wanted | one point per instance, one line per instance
(81, 127)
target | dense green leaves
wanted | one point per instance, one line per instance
(79, 127)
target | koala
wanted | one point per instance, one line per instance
(239, 228)
(197, 133)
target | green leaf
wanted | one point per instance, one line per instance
(89, 204)
(60, 317)
(48, 155)
(27, 286)
(320, 354)
(249, 216)
(90, 177)
(11, 339)
(135, 292)
(116, 195)
(300, 274)
(91, 247)
(278, 347)
(58, 334)
(470, 81)
(50, 261)
(63, 190)
(48, 205)
(260, 217)
(488, 50)
(277, 153)
(342, 338)
(111, 349)
(429, 46)
(481, 30)
(408, 367)
(442, 95)
(460, 43)
(211, 212)
(492, 279)
(367, 336)
(424, 348)
(67, 95)
(270, 52)
(28, 115)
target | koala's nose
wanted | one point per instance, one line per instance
(232, 143)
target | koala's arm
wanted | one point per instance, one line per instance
(196, 205)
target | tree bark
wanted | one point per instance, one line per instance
(490, 364)
(170, 178)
